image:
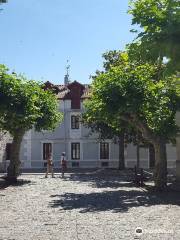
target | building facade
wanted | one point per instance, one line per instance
(82, 148)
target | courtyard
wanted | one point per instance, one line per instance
(84, 206)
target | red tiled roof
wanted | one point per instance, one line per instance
(62, 94)
(65, 91)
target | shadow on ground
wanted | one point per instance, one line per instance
(104, 179)
(116, 201)
(20, 182)
(111, 178)
(121, 196)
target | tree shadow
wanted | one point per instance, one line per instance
(105, 179)
(116, 201)
(112, 178)
(20, 182)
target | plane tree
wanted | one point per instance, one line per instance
(158, 38)
(130, 92)
(114, 130)
(24, 105)
(118, 130)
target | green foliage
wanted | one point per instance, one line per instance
(160, 24)
(92, 118)
(130, 93)
(124, 94)
(114, 58)
(24, 104)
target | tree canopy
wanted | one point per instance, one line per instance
(130, 92)
(159, 34)
(92, 119)
(24, 105)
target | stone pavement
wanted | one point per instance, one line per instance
(86, 206)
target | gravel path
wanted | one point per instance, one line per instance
(84, 207)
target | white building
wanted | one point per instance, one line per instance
(82, 149)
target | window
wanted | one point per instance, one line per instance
(74, 122)
(75, 150)
(104, 150)
(47, 149)
(8, 150)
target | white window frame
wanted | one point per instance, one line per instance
(107, 159)
(75, 116)
(42, 142)
(79, 151)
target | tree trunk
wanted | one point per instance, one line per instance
(151, 156)
(121, 152)
(13, 168)
(137, 155)
(160, 172)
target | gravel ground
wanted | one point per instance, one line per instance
(86, 206)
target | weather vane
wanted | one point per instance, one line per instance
(67, 67)
(66, 77)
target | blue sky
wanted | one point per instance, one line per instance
(37, 37)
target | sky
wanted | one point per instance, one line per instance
(38, 37)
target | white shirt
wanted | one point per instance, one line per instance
(63, 158)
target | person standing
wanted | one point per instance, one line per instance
(63, 163)
(49, 166)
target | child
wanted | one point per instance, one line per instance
(49, 166)
(63, 163)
